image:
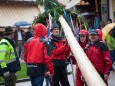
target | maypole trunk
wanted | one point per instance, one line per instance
(88, 71)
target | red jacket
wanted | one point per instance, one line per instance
(61, 50)
(99, 56)
(36, 51)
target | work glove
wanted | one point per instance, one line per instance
(48, 74)
(82, 79)
(6, 74)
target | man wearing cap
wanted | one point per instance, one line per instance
(60, 49)
(9, 62)
(98, 53)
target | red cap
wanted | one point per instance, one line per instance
(83, 32)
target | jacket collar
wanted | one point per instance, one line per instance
(56, 38)
(11, 41)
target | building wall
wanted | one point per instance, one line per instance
(12, 12)
(104, 10)
(110, 9)
(113, 7)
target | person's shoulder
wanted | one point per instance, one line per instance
(3, 42)
(103, 46)
(43, 39)
(29, 39)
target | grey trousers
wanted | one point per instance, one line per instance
(20, 49)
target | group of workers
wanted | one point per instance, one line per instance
(48, 56)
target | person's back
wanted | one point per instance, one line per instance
(28, 34)
(36, 56)
(34, 46)
(110, 42)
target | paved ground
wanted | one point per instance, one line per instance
(111, 80)
(29, 84)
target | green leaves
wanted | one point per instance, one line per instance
(55, 9)
(40, 2)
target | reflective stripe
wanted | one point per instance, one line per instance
(12, 53)
(2, 61)
(9, 53)
(8, 61)
(2, 51)
(11, 60)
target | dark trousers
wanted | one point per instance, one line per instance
(37, 80)
(11, 81)
(60, 75)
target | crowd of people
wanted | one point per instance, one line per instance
(47, 57)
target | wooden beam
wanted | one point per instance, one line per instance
(88, 71)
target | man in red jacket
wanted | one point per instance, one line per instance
(60, 49)
(38, 55)
(98, 53)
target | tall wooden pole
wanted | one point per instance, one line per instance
(88, 71)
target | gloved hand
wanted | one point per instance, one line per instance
(6, 74)
(82, 79)
(106, 77)
(47, 74)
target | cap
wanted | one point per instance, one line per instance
(54, 25)
(93, 31)
(83, 32)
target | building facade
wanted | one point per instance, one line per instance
(12, 11)
(112, 9)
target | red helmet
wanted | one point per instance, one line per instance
(83, 32)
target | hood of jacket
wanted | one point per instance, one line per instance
(40, 30)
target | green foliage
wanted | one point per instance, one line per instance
(52, 7)
(41, 18)
(40, 2)
(48, 4)
(22, 73)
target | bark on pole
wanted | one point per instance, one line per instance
(88, 71)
